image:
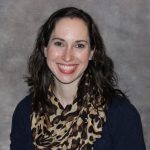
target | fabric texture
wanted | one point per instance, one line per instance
(77, 126)
(121, 131)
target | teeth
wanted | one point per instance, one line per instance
(64, 67)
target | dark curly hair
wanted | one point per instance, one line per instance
(101, 66)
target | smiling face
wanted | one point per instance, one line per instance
(68, 51)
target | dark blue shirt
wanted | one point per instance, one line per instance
(122, 130)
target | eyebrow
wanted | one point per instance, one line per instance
(78, 41)
(56, 38)
(81, 41)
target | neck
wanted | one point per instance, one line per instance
(65, 92)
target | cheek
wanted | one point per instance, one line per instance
(85, 57)
(52, 54)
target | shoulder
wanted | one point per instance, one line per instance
(120, 110)
(121, 106)
(125, 124)
(24, 106)
(122, 129)
(25, 101)
(21, 116)
(20, 135)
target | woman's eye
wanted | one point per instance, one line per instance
(58, 44)
(80, 45)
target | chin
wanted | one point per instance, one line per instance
(66, 81)
(69, 80)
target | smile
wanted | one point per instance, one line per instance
(67, 69)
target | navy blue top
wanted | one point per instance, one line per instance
(122, 130)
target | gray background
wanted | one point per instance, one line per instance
(125, 27)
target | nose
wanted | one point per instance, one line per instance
(68, 55)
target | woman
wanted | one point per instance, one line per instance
(74, 102)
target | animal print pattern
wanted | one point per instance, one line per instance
(74, 127)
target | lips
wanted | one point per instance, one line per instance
(67, 68)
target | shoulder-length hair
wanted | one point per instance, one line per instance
(101, 66)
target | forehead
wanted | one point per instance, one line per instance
(70, 20)
(70, 26)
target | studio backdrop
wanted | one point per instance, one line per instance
(124, 25)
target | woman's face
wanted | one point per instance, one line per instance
(68, 51)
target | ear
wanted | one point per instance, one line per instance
(45, 52)
(91, 54)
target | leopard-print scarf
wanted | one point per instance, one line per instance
(74, 127)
